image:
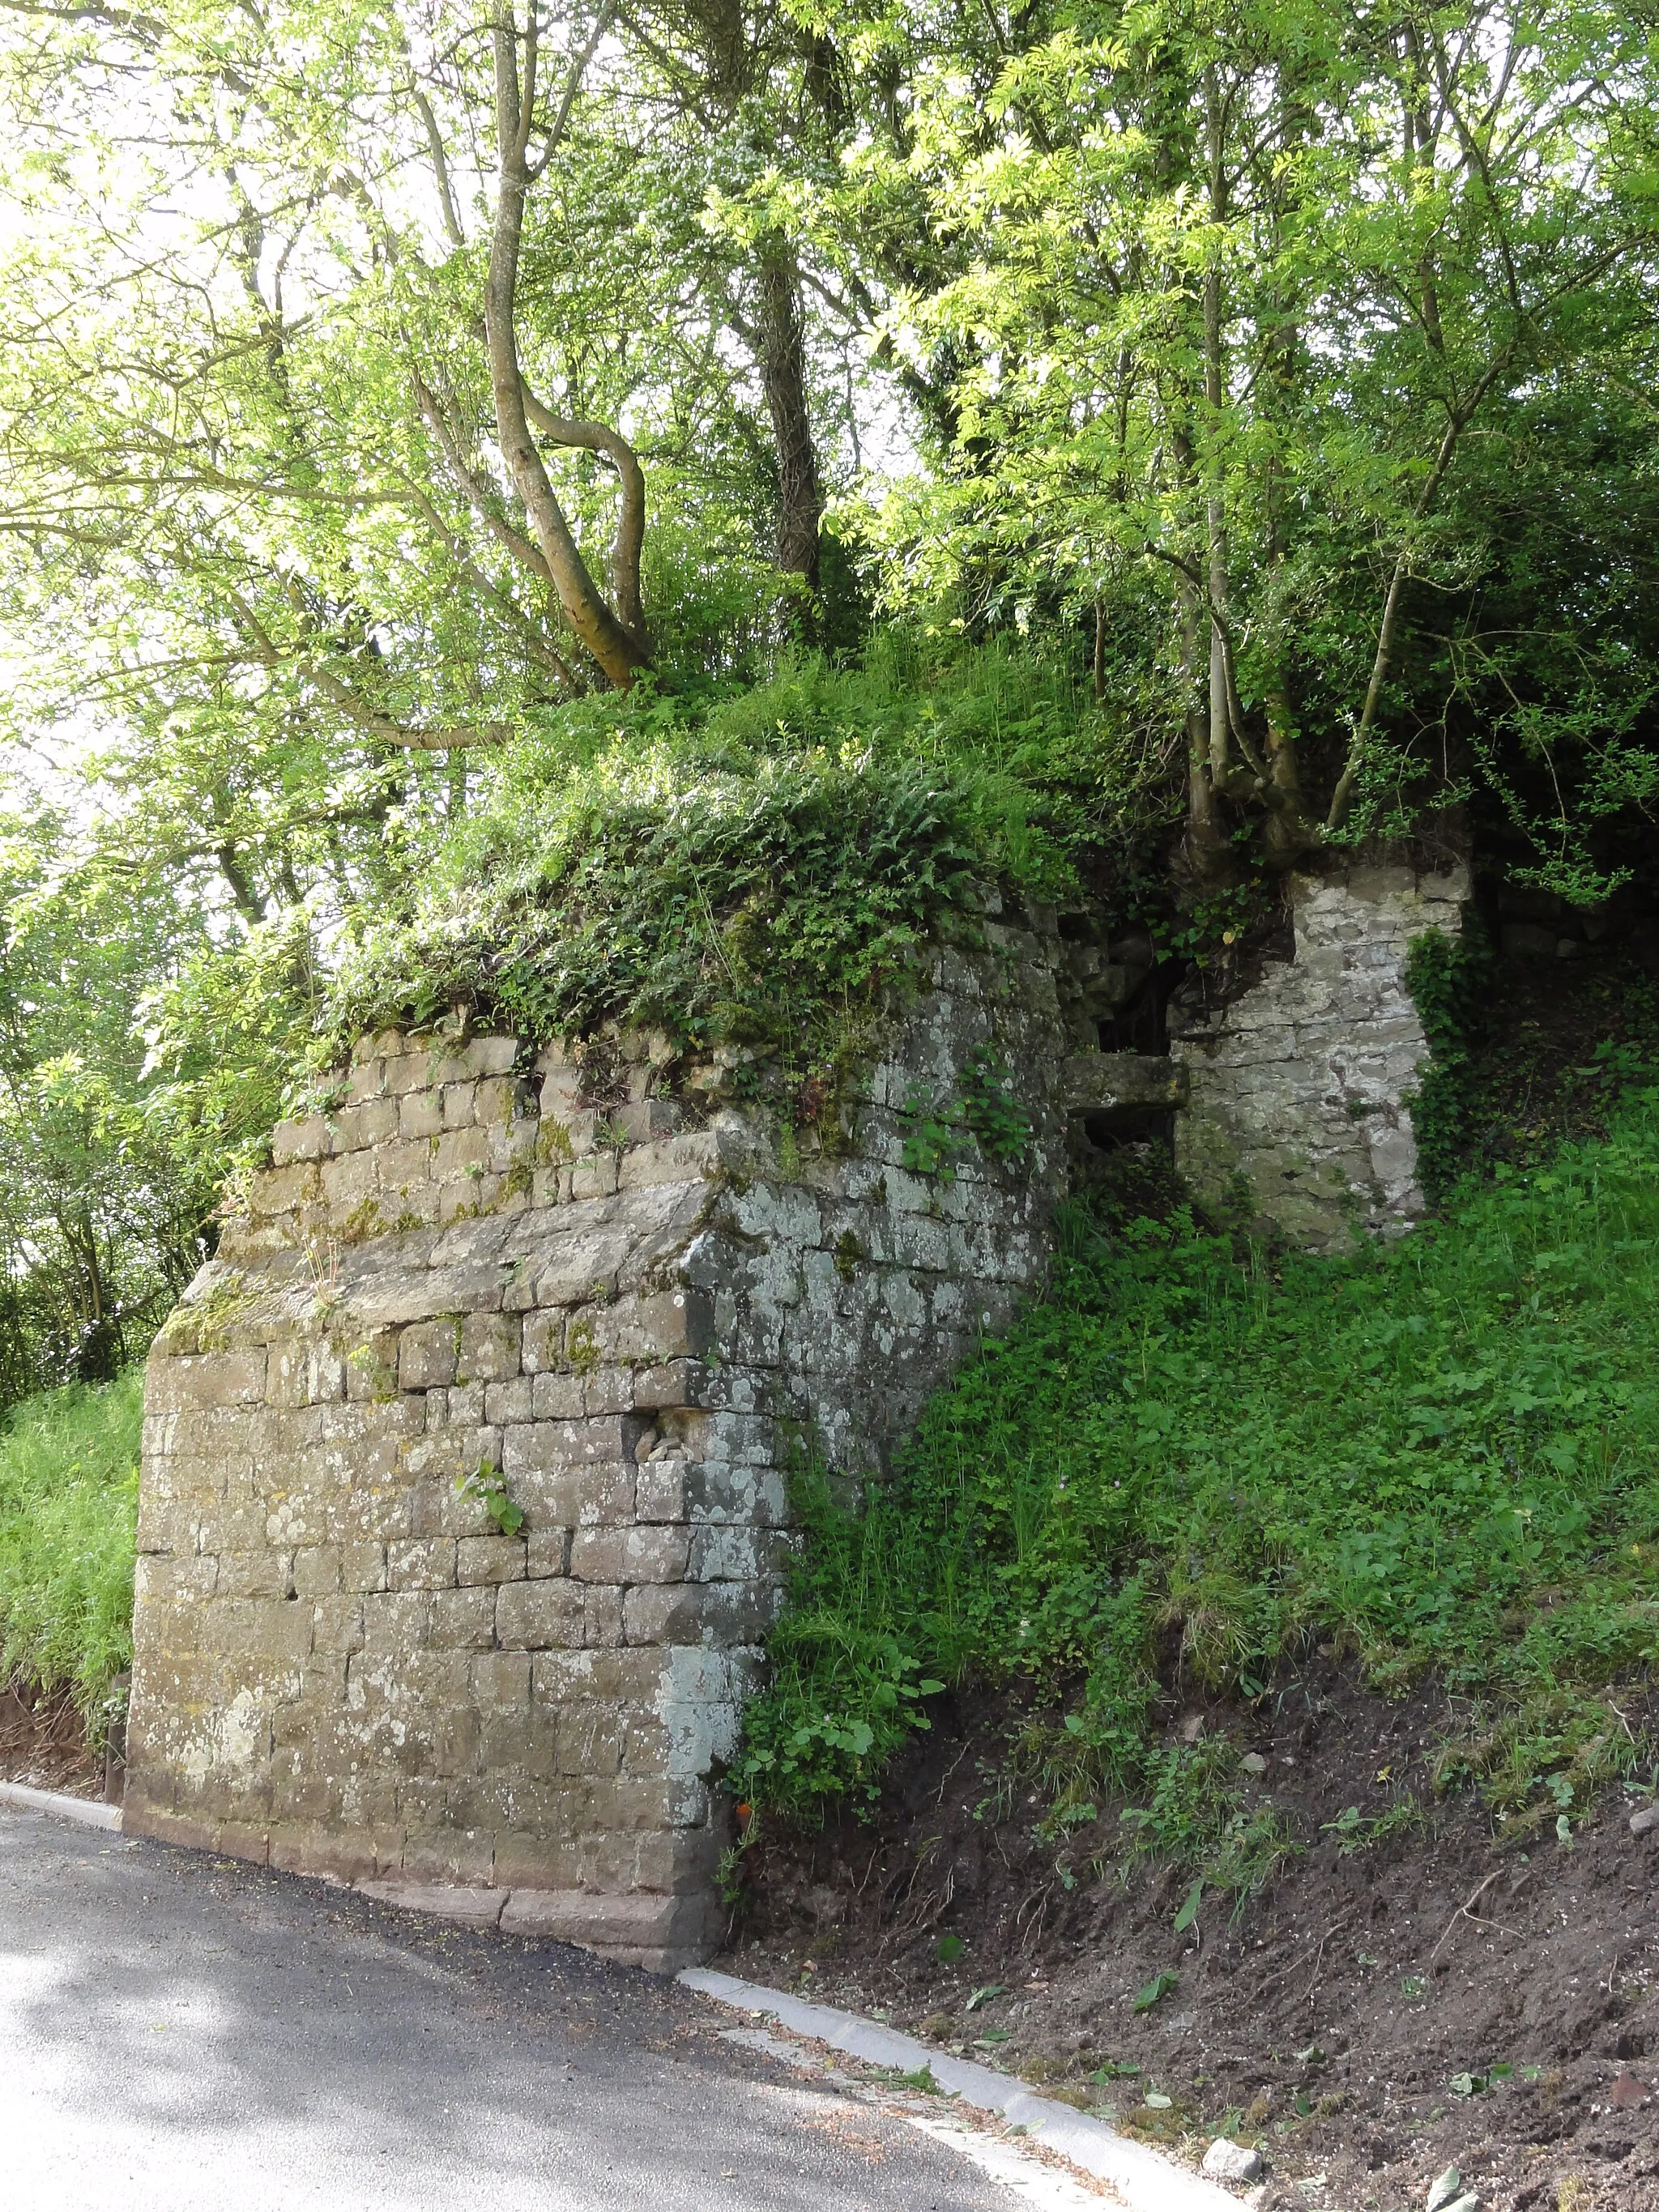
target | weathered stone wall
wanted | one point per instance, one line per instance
(625, 1295)
(1301, 1084)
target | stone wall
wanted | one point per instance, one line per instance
(606, 1291)
(1301, 1084)
(612, 1288)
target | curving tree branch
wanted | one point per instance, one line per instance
(620, 652)
(600, 438)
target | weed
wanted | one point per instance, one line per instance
(1356, 1834)
(377, 1374)
(922, 2080)
(990, 1111)
(486, 1487)
(932, 1142)
(987, 1113)
(1161, 1986)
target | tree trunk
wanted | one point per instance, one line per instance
(783, 375)
(1215, 396)
(619, 653)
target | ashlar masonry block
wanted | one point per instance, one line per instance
(342, 1664)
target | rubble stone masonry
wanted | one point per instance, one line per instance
(1300, 1086)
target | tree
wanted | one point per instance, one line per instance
(1250, 291)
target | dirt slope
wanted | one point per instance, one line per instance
(1348, 2020)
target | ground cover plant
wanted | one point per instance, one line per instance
(756, 868)
(69, 1503)
(1200, 1458)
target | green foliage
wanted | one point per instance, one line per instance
(990, 1112)
(68, 1503)
(487, 1487)
(1219, 297)
(1449, 979)
(755, 875)
(847, 1687)
(985, 1112)
(1439, 1455)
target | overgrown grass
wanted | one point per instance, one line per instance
(68, 1504)
(1441, 1457)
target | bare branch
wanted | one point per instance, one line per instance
(270, 654)
(439, 169)
(528, 555)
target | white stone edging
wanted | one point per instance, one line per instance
(1143, 2178)
(87, 1812)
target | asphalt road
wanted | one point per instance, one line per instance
(200, 2035)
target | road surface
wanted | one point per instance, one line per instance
(200, 2035)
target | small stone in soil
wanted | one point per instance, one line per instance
(1254, 1763)
(1644, 1822)
(1627, 2091)
(1232, 2161)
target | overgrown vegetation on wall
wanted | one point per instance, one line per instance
(1197, 1458)
(751, 872)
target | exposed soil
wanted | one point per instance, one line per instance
(1346, 2021)
(43, 1742)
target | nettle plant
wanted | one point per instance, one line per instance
(986, 1112)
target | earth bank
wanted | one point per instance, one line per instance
(1374, 2011)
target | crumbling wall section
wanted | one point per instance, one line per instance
(1299, 1089)
(479, 1282)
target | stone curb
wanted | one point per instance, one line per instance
(87, 1812)
(1146, 2180)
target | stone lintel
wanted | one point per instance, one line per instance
(1122, 1082)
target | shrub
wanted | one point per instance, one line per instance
(755, 870)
